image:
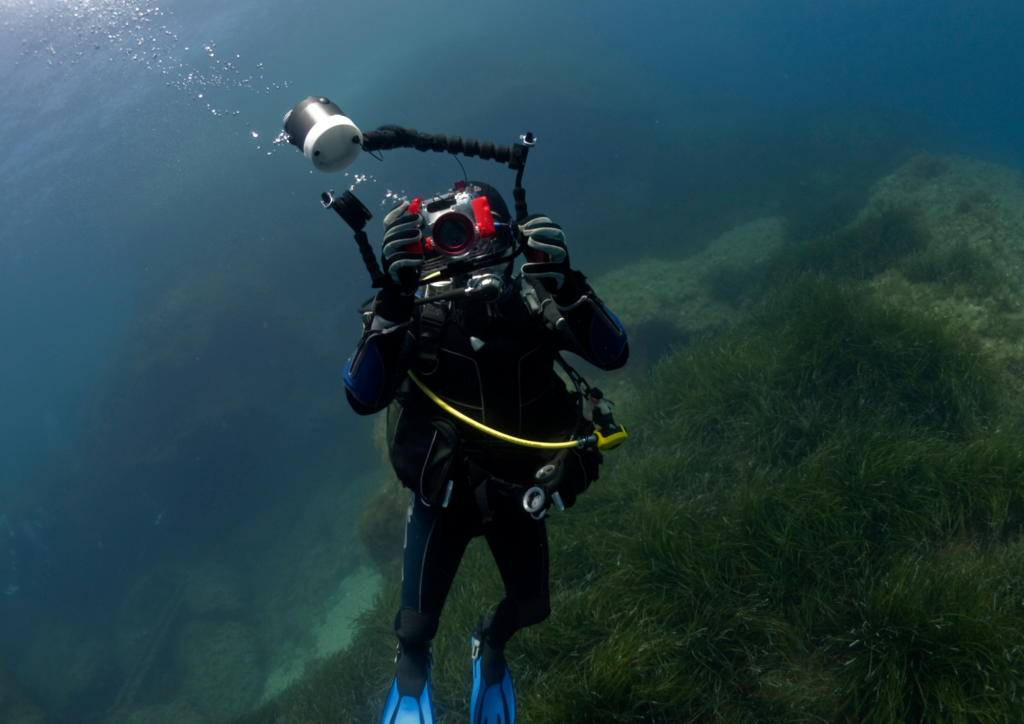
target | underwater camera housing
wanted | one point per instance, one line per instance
(459, 233)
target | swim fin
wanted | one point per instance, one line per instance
(494, 699)
(409, 700)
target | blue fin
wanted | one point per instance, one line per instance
(494, 699)
(409, 700)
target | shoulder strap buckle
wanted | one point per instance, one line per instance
(433, 316)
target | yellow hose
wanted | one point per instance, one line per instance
(470, 421)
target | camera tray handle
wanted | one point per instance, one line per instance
(355, 214)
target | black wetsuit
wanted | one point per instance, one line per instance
(494, 363)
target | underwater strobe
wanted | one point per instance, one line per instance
(324, 134)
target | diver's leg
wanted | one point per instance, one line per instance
(435, 541)
(519, 545)
(520, 548)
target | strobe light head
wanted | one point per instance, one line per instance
(324, 134)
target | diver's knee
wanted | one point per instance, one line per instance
(533, 611)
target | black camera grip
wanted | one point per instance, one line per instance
(519, 194)
(370, 260)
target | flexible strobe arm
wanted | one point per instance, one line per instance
(390, 137)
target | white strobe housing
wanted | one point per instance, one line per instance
(324, 134)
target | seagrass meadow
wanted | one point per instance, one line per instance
(817, 518)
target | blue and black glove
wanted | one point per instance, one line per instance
(547, 256)
(402, 256)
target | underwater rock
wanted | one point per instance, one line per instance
(966, 201)
(147, 615)
(665, 303)
(23, 714)
(354, 595)
(15, 706)
(172, 713)
(165, 714)
(212, 588)
(380, 439)
(671, 292)
(65, 667)
(220, 664)
(972, 272)
(313, 553)
(382, 528)
(967, 215)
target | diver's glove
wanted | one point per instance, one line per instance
(402, 256)
(547, 256)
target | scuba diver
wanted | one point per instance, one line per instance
(481, 427)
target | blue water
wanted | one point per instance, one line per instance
(175, 306)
